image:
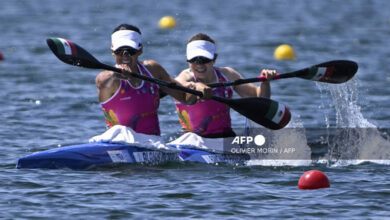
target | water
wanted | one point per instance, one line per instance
(46, 103)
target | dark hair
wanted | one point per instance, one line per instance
(201, 36)
(127, 27)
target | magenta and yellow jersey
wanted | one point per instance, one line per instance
(134, 107)
(207, 117)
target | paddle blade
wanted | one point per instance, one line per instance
(266, 112)
(72, 54)
(336, 71)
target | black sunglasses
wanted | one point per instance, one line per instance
(126, 51)
(199, 60)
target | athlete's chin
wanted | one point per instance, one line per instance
(201, 72)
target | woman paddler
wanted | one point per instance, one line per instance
(209, 118)
(131, 101)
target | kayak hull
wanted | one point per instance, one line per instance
(93, 155)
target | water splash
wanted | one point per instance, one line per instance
(352, 139)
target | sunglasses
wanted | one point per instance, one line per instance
(126, 52)
(199, 60)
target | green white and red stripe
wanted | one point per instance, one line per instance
(328, 73)
(65, 47)
(320, 73)
(278, 113)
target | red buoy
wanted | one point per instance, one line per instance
(1, 56)
(313, 179)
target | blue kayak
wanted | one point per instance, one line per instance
(99, 154)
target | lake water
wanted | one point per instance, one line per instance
(46, 104)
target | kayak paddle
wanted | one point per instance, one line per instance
(263, 111)
(335, 71)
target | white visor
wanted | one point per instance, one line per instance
(124, 38)
(200, 48)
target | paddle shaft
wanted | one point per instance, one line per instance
(249, 80)
(335, 71)
(298, 73)
(243, 81)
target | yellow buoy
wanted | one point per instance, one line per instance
(284, 52)
(167, 22)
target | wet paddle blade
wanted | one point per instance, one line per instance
(336, 71)
(72, 54)
(266, 112)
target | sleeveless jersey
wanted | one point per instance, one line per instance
(134, 107)
(207, 117)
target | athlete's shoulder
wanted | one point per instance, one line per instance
(226, 69)
(151, 64)
(107, 84)
(230, 73)
(155, 69)
(103, 77)
(185, 76)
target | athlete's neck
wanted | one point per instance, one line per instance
(206, 77)
(135, 82)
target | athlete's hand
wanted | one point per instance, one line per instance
(207, 91)
(268, 75)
